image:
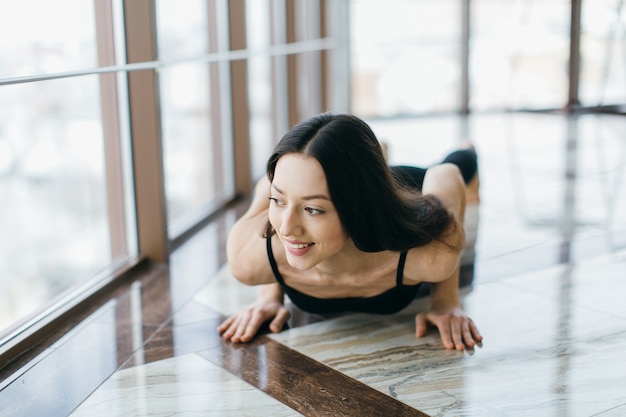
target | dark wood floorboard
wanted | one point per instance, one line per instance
(305, 385)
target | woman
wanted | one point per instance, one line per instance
(336, 229)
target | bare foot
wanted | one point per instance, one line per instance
(385, 150)
(472, 195)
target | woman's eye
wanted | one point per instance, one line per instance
(312, 210)
(276, 201)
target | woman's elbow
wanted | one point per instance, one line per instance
(447, 265)
(239, 269)
(242, 272)
(246, 270)
(236, 268)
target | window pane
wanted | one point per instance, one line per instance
(519, 53)
(603, 61)
(54, 222)
(405, 56)
(309, 85)
(188, 143)
(182, 31)
(262, 135)
(41, 36)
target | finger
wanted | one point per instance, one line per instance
(232, 328)
(225, 324)
(252, 326)
(476, 334)
(446, 334)
(467, 335)
(241, 325)
(457, 334)
(279, 321)
(421, 326)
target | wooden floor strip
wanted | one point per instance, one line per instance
(307, 386)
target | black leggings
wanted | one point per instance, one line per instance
(413, 177)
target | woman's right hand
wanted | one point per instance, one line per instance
(241, 327)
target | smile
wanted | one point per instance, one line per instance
(299, 245)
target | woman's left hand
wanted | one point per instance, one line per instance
(457, 330)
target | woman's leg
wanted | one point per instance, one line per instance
(467, 161)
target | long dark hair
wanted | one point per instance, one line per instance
(378, 212)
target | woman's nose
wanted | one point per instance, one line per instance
(290, 223)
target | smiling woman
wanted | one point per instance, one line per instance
(302, 213)
(346, 232)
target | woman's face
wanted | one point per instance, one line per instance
(302, 213)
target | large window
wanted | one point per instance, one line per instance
(56, 157)
(423, 56)
(125, 125)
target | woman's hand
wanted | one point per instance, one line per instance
(456, 329)
(242, 327)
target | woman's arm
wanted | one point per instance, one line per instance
(247, 259)
(245, 247)
(437, 260)
(441, 263)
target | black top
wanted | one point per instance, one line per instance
(388, 302)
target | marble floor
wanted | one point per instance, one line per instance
(549, 280)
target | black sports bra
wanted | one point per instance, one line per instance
(388, 302)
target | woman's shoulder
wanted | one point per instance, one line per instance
(247, 255)
(433, 262)
(245, 246)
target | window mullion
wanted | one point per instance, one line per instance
(111, 131)
(239, 99)
(147, 148)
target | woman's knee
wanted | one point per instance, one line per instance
(466, 160)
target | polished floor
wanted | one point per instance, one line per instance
(549, 282)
